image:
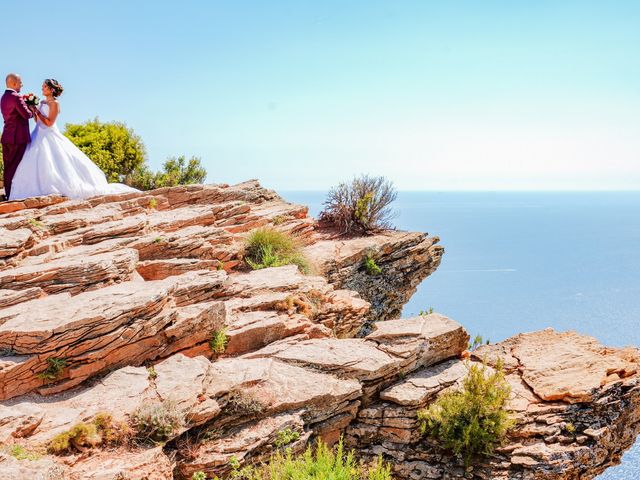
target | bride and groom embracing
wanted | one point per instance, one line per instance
(45, 161)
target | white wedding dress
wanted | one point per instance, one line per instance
(53, 164)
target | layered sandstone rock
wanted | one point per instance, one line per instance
(576, 405)
(122, 295)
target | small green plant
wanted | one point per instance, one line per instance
(570, 428)
(153, 203)
(426, 312)
(267, 247)
(370, 266)
(473, 420)
(220, 266)
(55, 366)
(151, 373)
(20, 453)
(101, 431)
(79, 437)
(37, 224)
(285, 437)
(478, 341)
(157, 422)
(159, 240)
(218, 341)
(200, 475)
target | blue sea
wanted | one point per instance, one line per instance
(518, 262)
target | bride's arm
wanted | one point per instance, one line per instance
(53, 114)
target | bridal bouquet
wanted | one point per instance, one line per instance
(31, 100)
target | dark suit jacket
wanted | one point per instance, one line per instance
(16, 116)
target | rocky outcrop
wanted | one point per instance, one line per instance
(113, 303)
(575, 403)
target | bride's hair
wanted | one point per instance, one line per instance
(54, 85)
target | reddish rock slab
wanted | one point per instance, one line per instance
(74, 274)
(565, 366)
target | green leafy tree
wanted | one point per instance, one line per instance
(113, 146)
(175, 171)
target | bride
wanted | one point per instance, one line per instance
(53, 164)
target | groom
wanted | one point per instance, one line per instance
(15, 136)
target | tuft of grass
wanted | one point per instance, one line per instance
(159, 240)
(267, 247)
(151, 373)
(54, 369)
(570, 428)
(323, 463)
(37, 224)
(279, 219)
(20, 453)
(200, 475)
(157, 422)
(285, 437)
(370, 266)
(429, 311)
(79, 438)
(218, 341)
(473, 420)
(360, 207)
(101, 431)
(153, 203)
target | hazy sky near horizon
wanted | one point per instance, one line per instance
(301, 94)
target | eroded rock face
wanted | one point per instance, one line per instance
(122, 295)
(576, 431)
(405, 259)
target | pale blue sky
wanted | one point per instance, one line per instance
(301, 94)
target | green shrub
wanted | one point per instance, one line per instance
(175, 171)
(199, 476)
(360, 207)
(114, 147)
(157, 422)
(266, 247)
(218, 341)
(429, 311)
(55, 366)
(473, 420)
(285, 437)
(371, 267)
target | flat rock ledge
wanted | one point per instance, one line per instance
(123, 293)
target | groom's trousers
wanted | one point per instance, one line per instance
(12, 154)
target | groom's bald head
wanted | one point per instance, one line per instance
(14, 81)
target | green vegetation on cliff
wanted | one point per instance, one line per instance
(360, 207)
(267, 247)
(473, 420)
